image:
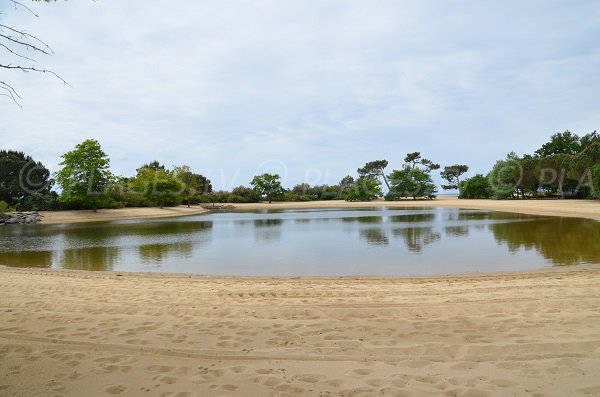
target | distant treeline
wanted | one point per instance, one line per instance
(568, 166)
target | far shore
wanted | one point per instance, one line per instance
(566, 208)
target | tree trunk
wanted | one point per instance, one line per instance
(188, 203)
(385, 180)
(560, 185)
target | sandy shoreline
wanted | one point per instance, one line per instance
(566, 208)
(73, 333)
(54, 217)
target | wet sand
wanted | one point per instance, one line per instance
(75, 333)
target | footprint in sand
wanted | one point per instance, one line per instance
(115, 389)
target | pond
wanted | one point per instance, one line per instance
(326, 242)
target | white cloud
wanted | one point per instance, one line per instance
(319, 85)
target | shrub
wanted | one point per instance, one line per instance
(475, 187)
(4, 207)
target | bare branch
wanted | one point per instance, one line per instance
(10, 92)
(16, 3)
(34, 47)
(34, 69)
(16, 42)
(17, 54)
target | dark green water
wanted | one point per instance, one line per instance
(313, 242)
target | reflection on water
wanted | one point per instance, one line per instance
(456, 231)
(159, 252)
(316, 242)
(26, 259)
(564, 241)
(416, 238)
(90, 258)
(413, 218)
(374, 236)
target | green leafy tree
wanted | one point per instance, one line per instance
(364, 189)
(159, 185)
(476, 187)
(268, 186)
(560, 143)
(595, 171)
(504, 177)
(243, 194)
(301, 192)
(452, 174)
(529, 181)
(411, 182)
(553, 171)
(84, 174)
(193, 184)
(21, 177)
(374, 169)
(346, 184)
(588, 139)
(414, 159)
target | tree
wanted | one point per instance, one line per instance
(414, 179)
(21, 176)
(365, 189)
(476, 187)
(159, 185)
(193, 184)
(588, 139)
(530, 175)
(346, 184)
(18, 48)
(452, 174)
(560, 143)
(413, 159)
(268, 186)
(595, 171)
(374, 169)
(84, 174)
(553, 171)
(243, 194)
(505, 176)
(411, 182)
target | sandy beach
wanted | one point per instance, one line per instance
(74, 333)
(52, 217)
(69, 333)
(568, 208)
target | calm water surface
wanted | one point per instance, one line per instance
(376, 241)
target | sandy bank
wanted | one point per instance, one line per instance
(568, 208)
(68, 333)
(118, 214)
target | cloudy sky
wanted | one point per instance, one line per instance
(309, 89)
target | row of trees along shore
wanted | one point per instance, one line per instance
(567, 166)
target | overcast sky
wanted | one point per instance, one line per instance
(309, 89)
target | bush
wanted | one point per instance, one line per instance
(476, 187)
(4, 207)
(38, 202)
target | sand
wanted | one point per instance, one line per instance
(70, 333)
(77, 333)
(51, 217)
(568, 208)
